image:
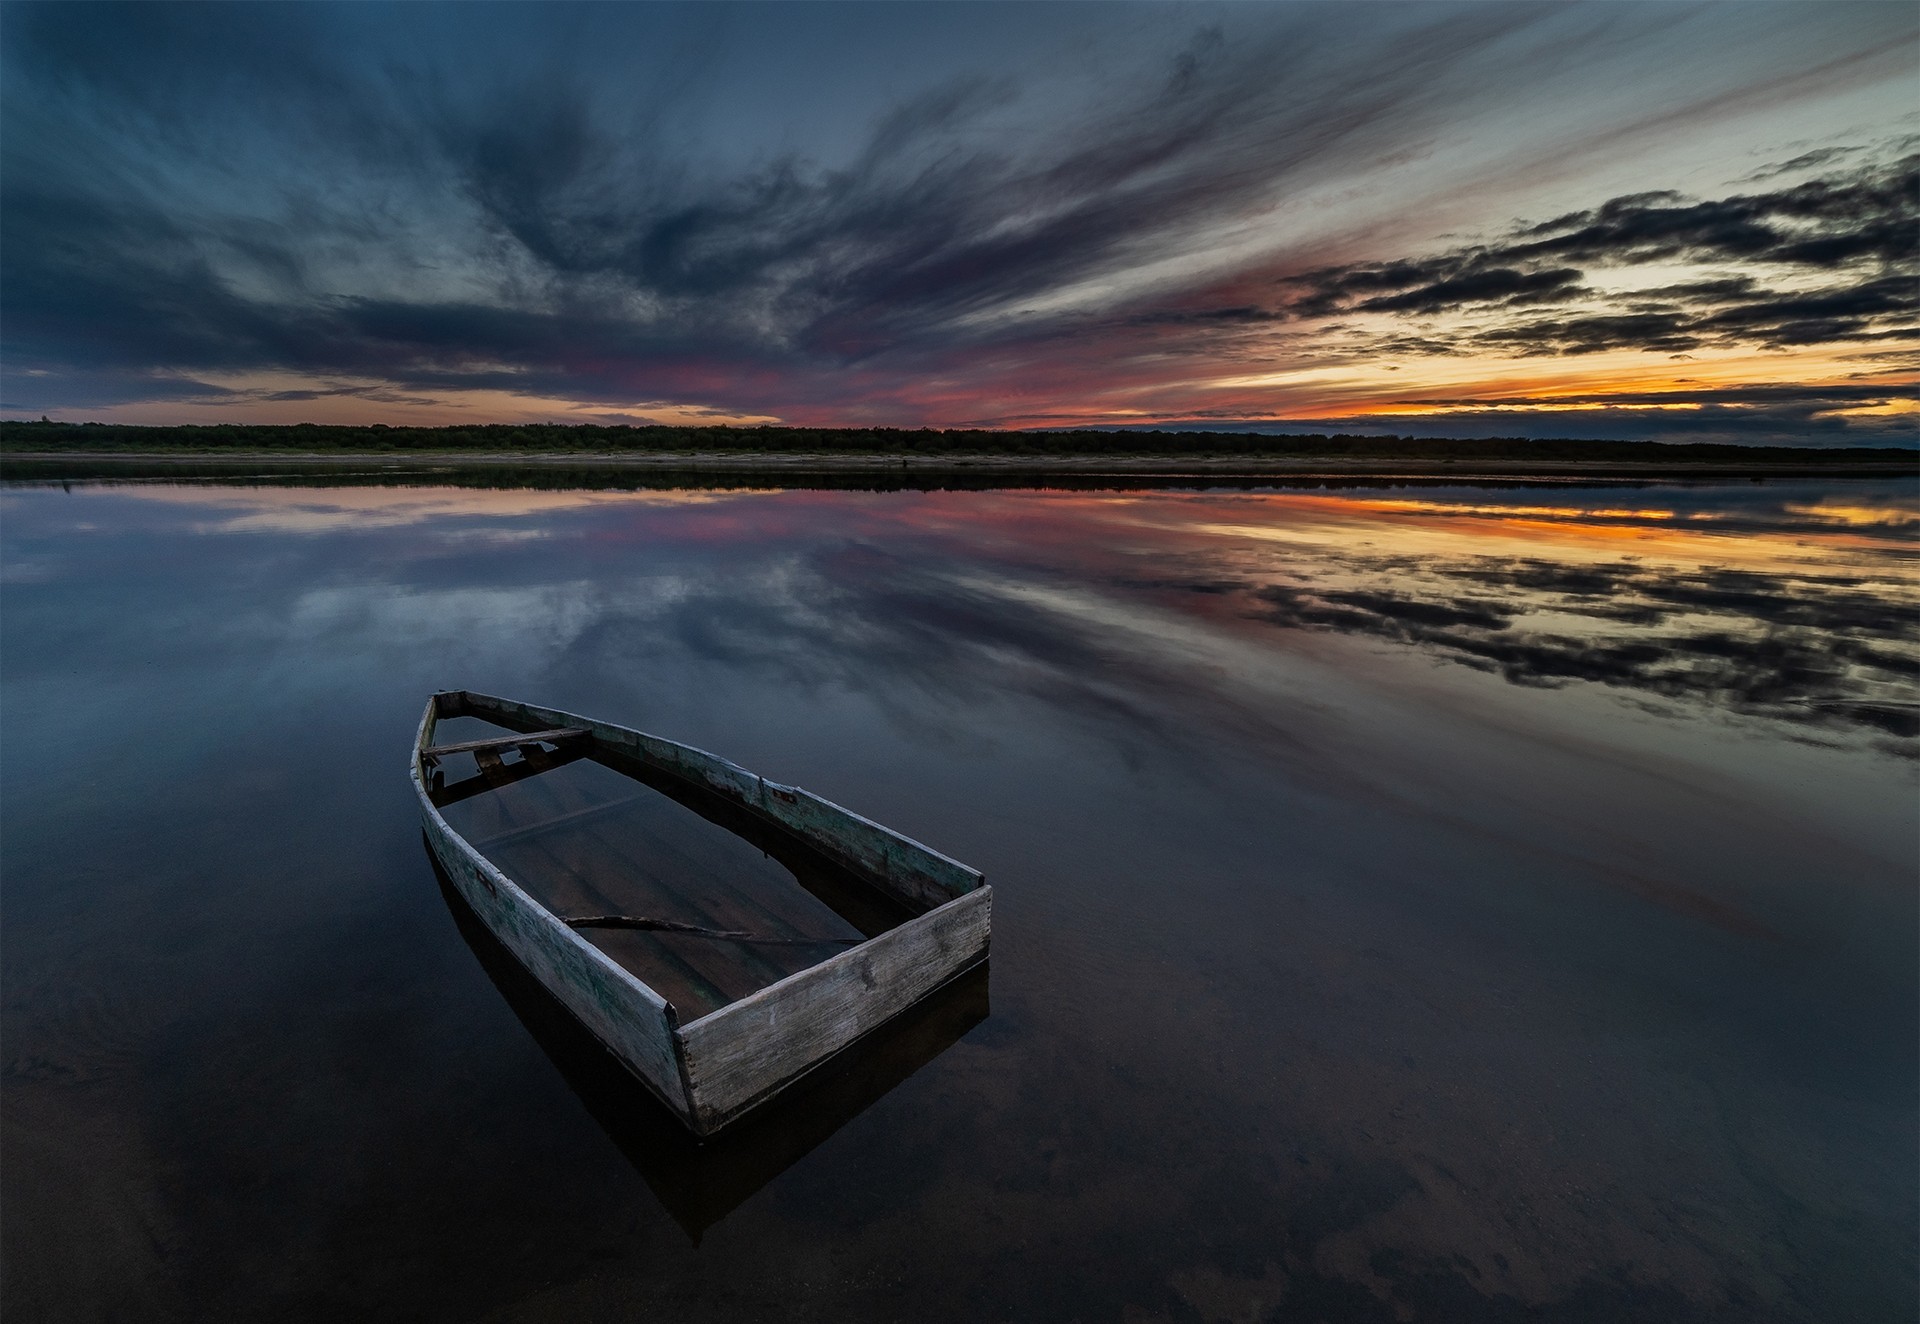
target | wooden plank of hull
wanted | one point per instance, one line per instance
(744, 1053)
(635, 1023)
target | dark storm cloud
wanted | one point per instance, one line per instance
(1863, 225)
(1867, 214)
(1668, 332)
(1486, 285)
(1872, 307)
(1429, 286)
(1681, 318)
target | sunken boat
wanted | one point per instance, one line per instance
(714, 987)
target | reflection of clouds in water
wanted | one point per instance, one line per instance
(1812, 650)
(28, 572)
(1791, 602)
(468, 618)
(1817, 650)
(1806, 614)
(926, 641)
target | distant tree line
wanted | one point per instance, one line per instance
(561, 438)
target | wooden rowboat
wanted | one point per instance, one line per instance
(711, 1069)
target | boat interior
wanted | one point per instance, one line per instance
(704, 901)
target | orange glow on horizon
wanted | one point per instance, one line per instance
(1327, 391)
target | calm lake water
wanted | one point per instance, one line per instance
(1411, 902)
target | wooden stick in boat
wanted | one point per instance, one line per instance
(588, 893)
(719, 905)
(607, 864)
(694, 930)
(496, 743)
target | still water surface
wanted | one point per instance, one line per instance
(1420, 902)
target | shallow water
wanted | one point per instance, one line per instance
(1425, 902)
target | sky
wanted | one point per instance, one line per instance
(1677, 222)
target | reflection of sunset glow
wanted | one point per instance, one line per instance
(1089, 524)
(1461, 534)
(312, 510)
(1411, 526)
(1807, 531)
(1838, 513)
(1540, 512)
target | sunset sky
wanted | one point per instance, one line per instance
(1680, 222)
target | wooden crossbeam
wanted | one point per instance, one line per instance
(506, 775)
(499, 743)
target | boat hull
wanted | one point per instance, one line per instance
(713, 1070)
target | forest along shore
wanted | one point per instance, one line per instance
(1896, 464)
(36, 445)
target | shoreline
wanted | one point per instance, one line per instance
(979, 464)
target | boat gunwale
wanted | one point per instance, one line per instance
(767, 992)
(523, 900)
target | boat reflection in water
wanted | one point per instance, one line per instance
(698, 1182)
